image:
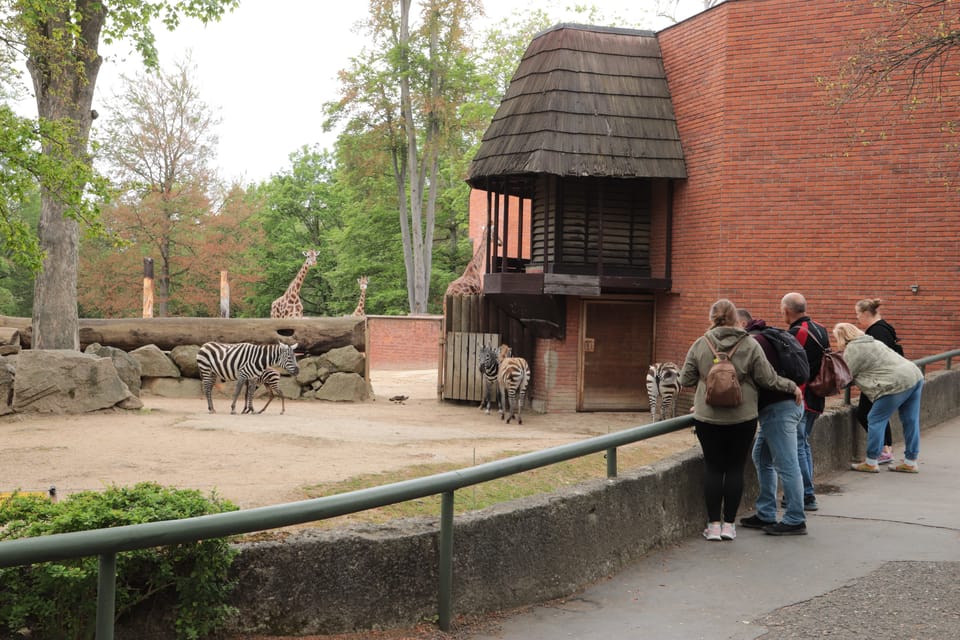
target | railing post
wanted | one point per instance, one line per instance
(445, 604)
(106, 595)
(612, 462)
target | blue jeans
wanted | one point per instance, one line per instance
(775, 454)
(907, 403)
(804, 453)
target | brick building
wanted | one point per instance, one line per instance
(778, 190)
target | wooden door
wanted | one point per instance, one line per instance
(616, 346)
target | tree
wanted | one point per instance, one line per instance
(911, 50)
(408, 90)
(301, 207)
(159, 144)
(60, 41)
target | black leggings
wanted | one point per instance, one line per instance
(863, 410)
(726, 448)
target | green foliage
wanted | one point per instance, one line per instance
(58, 599)
(302, 207)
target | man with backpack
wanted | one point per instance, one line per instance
(775, 447)
(813, 337)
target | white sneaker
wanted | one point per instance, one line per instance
(728, 531)
(712, 532)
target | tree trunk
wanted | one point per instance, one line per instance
(313, 336)
(64, 82)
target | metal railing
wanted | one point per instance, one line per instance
(106, 543)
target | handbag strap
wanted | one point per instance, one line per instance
(812, 334)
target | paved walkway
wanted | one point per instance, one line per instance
(881, 560)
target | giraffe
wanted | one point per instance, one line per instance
(289, 304)
(471, 282)
(359, 311)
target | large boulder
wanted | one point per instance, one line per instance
(185, 357)
(7, 374)
(155, 363)
(127, 366)
(344, 387)
(65, 381)
(343, 359)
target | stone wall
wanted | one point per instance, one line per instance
(510, 555)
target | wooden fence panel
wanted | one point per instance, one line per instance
(462, 379)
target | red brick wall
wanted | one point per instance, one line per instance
(786, 194)
(403, 342)
(555, 367)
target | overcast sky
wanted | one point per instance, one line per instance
(271, 64)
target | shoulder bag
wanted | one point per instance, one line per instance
(834, 373)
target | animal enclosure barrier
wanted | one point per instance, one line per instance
(462, 378)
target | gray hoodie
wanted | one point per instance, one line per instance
(753, 370)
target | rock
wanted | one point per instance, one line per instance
(66, 381)
(344, 387)
(185, 357)
(155, 363)
(7, 373)
(175, 387)
(127, 366)
(308, 370)
(344, 359)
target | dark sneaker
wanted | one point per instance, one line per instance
(780, 529)
(810, 503)
(755, 522)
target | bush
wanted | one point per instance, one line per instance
(59, 599)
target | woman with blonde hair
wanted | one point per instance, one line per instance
(868, 319)
(894, 384)
(726, 433)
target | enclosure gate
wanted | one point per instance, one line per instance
(462, 379)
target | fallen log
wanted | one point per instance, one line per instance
(314, 336)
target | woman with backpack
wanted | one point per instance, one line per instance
(868, 318)
(725, 410)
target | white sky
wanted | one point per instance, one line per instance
(271, 64)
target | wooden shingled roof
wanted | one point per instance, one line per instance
(584, 102)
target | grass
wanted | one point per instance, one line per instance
(543, 480)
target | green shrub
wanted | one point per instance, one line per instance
(59, 599)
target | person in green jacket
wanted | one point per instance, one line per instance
(726, 433)
(893, 383)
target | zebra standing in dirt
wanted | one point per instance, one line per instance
(663, 386)
(243, 362)
(513, 378)
(489, 365)
(270, 378)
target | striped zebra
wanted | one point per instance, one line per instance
(513, 378)
(663, 385)
(489, 365)
(270, 378)
(243, 362)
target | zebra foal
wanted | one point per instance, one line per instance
(270, 378)
(243, 362)
(663, 386)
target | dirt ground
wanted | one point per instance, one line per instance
(257, 460)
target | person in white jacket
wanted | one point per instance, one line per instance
(893, 383)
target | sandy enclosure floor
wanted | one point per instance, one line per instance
(257, 460)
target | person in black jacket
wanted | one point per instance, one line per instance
(873, 325)
(814, 338)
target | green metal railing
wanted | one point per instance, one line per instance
(106, 543)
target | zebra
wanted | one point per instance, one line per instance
(513, 377)
(489, 365)
(663, 385)
(270, 378)
(243, 362)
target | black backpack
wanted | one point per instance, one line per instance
(790, 354)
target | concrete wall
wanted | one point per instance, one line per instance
(513, 554)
